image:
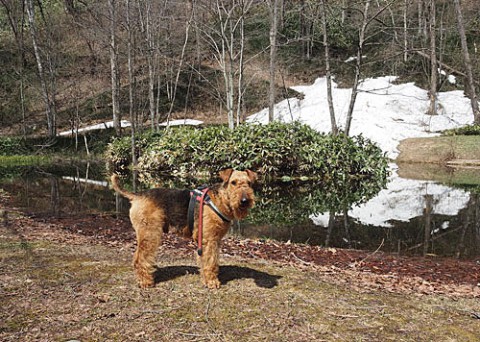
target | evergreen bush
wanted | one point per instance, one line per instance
(276, 150)
(10, 146)
(465, 130)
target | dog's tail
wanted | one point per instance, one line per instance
(117, 188)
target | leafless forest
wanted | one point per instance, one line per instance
(66, 63)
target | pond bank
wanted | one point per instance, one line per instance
(458, 151)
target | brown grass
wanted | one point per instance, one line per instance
(439, 150)
(58, 291)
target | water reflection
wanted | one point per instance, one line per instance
(58, 190)
(415, 217)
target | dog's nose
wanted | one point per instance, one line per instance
(244, 201)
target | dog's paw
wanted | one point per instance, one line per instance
(212, 284)
(146, 283)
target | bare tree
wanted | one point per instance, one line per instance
(130, 80)
(48, 98)
(180, 63)
(405, 31)
(241, 69)
(148, 29)
(16, 18)
(273, 4)
(115, 75)
(328, 74)
(224, 40)
(472, 94)
(358, 64)
(432, 110)
(366, 21)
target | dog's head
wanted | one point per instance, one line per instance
(238, 185)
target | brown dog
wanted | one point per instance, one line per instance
(159, 210)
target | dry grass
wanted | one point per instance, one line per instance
(439, 149)
(53, 291)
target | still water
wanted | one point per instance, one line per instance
(418, 213)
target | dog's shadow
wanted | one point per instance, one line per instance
(226, 274)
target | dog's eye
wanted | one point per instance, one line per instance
(233, 183)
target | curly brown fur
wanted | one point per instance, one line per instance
(159, 210)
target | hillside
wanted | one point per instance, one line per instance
(171, 58)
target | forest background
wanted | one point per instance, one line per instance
(69, 63)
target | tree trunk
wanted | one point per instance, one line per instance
(47, 97)
(273, 57)
(472, 94)
(358, 64)
(114, 67)
(327, 69)
(151, 92)
(130, 84)
(432, 110)
(151, 67)
(180, 63)
(198, 47)
(230, 94)
(240, 83)
(405, 32)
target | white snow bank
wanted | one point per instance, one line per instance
(384, 112)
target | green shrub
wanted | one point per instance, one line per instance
(466, 130)
(276, 150)
(12, 146)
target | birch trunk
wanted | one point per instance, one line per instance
(47, 98)
(432, 110)
(273, 56)
(327, 70)
(130, 84)
(180, 64)
(358, 64)
(114, 67)
(405, 32)
(240, 83)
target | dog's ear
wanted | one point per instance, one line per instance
(225, 174)
(252, 175)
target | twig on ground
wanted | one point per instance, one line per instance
(370, 255)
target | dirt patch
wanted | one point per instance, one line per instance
(62, 281)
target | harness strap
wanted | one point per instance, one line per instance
(217, 211)
(200, 221)
(200, 195)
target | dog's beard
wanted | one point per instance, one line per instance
(241, 211)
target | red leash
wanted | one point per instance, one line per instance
(200, 220)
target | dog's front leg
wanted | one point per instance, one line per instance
(208, 264)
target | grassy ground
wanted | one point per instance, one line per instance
(440, 149)
(57, 289)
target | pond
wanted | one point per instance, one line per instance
(419, 212)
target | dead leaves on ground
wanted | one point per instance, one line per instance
(360, 270)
